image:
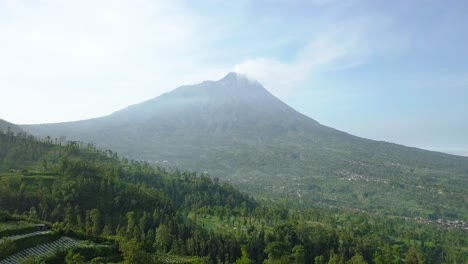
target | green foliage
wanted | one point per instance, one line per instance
(357, 259)
(156, 215)
(299, 254)
(384, 255)
(244, 259)
(18, 152)
(4, 216)
(133, 252)
(7, 247)
(8, 127)
(275, 250)
(163, 239)
(96, 220)
(93, 251)
(30, 260)
(414, 256)
(11, 228)
(74, 258)
(337, 259)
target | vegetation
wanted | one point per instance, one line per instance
(135, 213)
(11, 228)
(7, 127)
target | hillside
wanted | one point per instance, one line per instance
(236, 130)
(105, 209)
(4, 125)
(92, 194)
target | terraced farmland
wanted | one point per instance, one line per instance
(11, 228)
(25, 235)
(44, 250)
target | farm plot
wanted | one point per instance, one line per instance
(44, 250)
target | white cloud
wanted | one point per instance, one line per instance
(68, 60)
(81, 59)
(336, 49)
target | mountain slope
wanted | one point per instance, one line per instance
(5, 125)
(151, 215)
(92, 194)
(235, 129)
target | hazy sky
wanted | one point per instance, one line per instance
(388, 70)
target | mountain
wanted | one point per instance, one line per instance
(236, 130)
(5, 126)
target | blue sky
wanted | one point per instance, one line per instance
(387, 70)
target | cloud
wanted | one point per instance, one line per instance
(339, 49)
(91, 58)
(82, 59)
(333, 45)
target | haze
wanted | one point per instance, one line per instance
(395, 72)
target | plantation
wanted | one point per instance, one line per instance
(47, 246)
(43, 251)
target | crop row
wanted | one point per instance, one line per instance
(10, 225)
(25, 235)
(44, 250)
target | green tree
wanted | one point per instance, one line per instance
(96, 220)
(396, 254)
(244, 259)
(162, 239)
(384, 256)
(6, 248)
(33, 213)
(336, 259)
(44, 165)
(68, 219)
(107, 231)
(357, 259)
(88, 224)
(131, 223)
(98, 260)
(319, 260)
(275, 250)
(74, 258)
(79, 222)
(298, 254)
(133, 253)
(414, 256)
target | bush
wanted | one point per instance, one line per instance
(7, 247)
(4, 216)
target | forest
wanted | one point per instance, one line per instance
(131, 212)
